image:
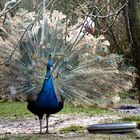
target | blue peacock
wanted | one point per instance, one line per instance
(47, 102)
(77, 67)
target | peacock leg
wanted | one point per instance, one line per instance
(40, 122)
(47, 118)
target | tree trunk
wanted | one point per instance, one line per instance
(132, 16)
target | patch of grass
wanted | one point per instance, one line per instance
(18, 110)
(129, 97)
(128, 101)
(131, 118)
(73, 128)
(10, 109)
(71, 109)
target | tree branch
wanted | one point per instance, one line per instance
(105, 16)
(4, 11)
(115, 18)
(21, 38)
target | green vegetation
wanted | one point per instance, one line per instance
(132, 118)
(13, 110)
(130, 97)
(17, 110)
(128, 101)
(10, 109)
(71, 109)
(73, 128)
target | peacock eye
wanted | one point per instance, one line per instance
(98, 58)
(89, 46)
(103, 49)
(66, 60)
(59, 36)
(69, 66)
(108, 62)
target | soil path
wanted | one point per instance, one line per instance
(56, 122)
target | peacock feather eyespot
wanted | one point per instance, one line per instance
(89, 46)
(65, 59)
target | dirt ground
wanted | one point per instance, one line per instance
(29, 127)
(56, 123)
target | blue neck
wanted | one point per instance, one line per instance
(49, 65)
(48, 72)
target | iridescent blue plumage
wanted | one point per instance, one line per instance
(47, 98)
(46, 102)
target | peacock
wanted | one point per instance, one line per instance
(46, 102)
(77, 66)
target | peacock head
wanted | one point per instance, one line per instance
(50, 62)
(50, 57)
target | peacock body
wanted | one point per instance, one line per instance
(47, 101)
